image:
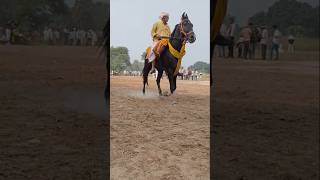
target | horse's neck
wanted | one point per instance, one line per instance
(176, 39)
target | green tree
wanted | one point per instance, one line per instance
(289, 15)
(136, 66)
(119, 58)
(36, 14)
(201, 67)
(31, 14)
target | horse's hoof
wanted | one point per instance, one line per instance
(166, 93)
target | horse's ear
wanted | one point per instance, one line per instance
(187, 16)
(183, 15)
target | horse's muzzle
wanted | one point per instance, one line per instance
(192, 37)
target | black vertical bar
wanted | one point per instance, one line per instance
(212, 11)
(106, 45)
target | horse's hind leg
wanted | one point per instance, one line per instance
(160, 73)
(145, 73)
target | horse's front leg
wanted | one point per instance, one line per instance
(174, 83)
(160, 73)
(170, 76)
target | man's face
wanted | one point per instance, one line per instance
(165, 19)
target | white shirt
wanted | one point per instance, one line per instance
(276, 37)
(50, 34)
(223, 30)
(232, 30)
(8, 34)
(264, 37)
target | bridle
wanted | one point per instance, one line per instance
(186, 34)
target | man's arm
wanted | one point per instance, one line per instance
(154, 30)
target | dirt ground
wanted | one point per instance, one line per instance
(156, 137)
(266, 118)
(52, 114)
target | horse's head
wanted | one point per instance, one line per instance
(186, 28)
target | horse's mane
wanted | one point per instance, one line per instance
(174, 32)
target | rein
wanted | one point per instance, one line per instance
(183, 32)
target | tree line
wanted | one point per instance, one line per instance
(292, 17)
(120, 61)
(30, 15)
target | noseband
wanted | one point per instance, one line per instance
(186, 34)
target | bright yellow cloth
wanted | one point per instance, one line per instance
(177, 55)
(157, 47)
(161, 29)
(164, 42)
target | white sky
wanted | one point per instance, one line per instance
(131, 22)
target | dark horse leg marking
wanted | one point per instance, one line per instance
(160, 73)
(145, 73)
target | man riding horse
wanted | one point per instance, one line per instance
(169, 52)
(160, 32)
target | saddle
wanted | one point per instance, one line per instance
(157, 48)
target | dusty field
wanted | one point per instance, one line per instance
(266, 118)
(156, 137)
(52, 120)
(52, 114)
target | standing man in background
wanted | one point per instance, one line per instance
(94, 38)
(264, 42)
(56, 36)
(231, 34)
(290, 44)
(50, 36)
(65, 36)
(221, 48)
(246, 34)
(275, 42)
(255, 38)
(72, 37)
(8, 34)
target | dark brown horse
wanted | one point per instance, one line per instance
(182, 33)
